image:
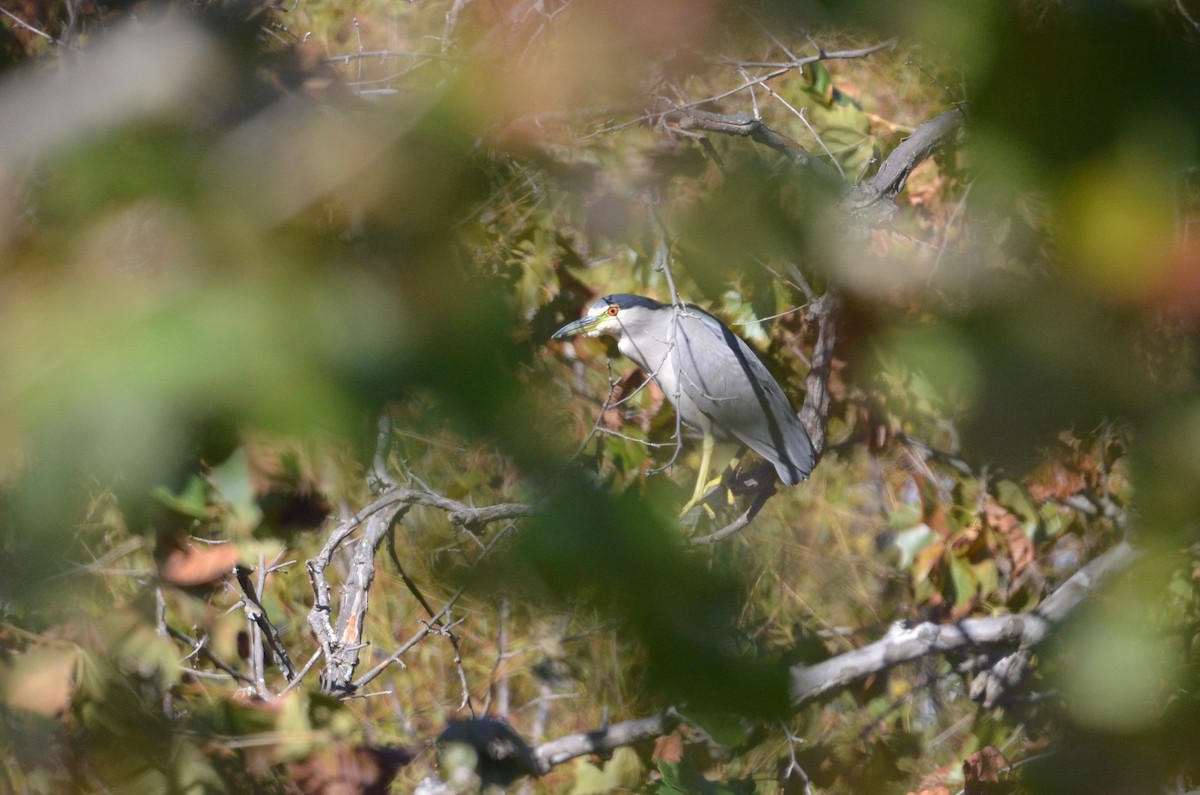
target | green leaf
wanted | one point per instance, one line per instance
(192, 501)
(589, 779)
(724, 729)
(820, 83)
(683, 778)
(624, 771)
(234, 486)
(1012, 496)
(963, 577)
(912, 541)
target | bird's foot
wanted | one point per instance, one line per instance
(701, 495)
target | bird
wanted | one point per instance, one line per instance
(716, 382)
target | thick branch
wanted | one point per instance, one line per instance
(815, 412)
(609, 738)
(872, 203)
(900, 645)
(907, 644)
(928, 139)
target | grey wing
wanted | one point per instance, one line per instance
(733, 388)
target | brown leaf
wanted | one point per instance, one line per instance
(934, 783)
(189, 565)
(339, 770)
(42, 681)
(1055, 480)
(982, 771)
(1020, 547)
(668, 748)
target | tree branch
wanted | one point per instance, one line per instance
(814, 414)
(900, 645)
(257, 616)
(907, 644)
(629, 732)
(872, 203)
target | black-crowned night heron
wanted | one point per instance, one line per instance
(716, 382)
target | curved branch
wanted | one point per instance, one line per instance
(872, 203)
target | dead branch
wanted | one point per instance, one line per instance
(608, 738)
(900, 645)
(257, 616)
(905, 644)
(870, 204)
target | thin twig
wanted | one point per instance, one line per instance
(23, 24)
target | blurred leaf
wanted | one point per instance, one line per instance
(294, 727)
(190, 565)
(724, 729)
(42, 681)
(966, 584)
(682, 778)
(912, 541)
(192, 501)
(624, 771)
(820, 84)
(234, 484)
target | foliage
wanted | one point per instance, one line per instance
(237, 235)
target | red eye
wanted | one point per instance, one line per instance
(612, 311)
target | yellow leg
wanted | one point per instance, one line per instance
(701, 477)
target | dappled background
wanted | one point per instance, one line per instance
(235, 235)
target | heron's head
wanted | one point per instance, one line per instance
(613, 315)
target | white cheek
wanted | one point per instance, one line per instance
(606, 326)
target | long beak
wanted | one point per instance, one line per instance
(581, 326)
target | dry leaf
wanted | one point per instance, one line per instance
(189, 565)
(1020, 547)
(982, 771)
(42, 681)
(668, 748)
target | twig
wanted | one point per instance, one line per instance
(258, 618)
(499, 675)
(201, 648)
(1187, 16)
(23, 24)
(738, 524)
(421, 634)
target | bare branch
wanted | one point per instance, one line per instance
(426, 629)
(740, 523)
(872, 203)
(814, 414)
(1183, 12)
(25, 25)
(911, 643)
(746, 126)
(258, 617)
(564, 749)
(899, 646)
